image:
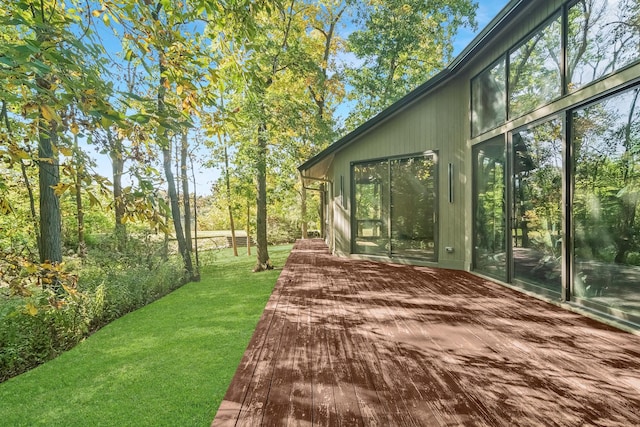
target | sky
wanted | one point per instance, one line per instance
(205, 177)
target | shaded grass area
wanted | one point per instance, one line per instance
(167, 364)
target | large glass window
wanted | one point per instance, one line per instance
(413, 203)
(603, 36)
(606, 202)
(534, 70)
(489, 246)
(371, 207)
(489, 98)
(537, 206)
(395, 207)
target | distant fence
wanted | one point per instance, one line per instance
(241, 241)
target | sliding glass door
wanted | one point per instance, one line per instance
(396, 207)
(536, 212)
(413, 207)
(371, 207)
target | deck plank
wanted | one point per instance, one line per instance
(348, 342)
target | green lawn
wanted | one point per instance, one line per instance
(167, 364)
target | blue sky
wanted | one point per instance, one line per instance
(487, 10)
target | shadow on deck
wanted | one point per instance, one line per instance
(347, 342)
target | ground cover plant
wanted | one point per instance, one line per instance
(168, 363)
(40, 321)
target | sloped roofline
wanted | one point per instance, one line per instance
(484, 37)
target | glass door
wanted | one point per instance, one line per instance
(413, 207)
(371, 207)
(536, 211)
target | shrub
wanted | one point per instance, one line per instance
(40, 322)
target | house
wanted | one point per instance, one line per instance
(519, 162)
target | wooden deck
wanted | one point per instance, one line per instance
(346, 342)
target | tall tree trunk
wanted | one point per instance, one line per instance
(79, 208)
(248, 228)
(23, 168)
(117, 167)
(166, 162)
(228, 182)
(184, 154)
(195, 223)
(50, 245)
(263, 262)
(32, 202)
(165, 243)
(175, 212)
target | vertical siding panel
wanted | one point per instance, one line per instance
(439, 122)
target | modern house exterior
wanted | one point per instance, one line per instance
(519, 162)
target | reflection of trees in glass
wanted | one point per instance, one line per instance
(488, 98)
(606, 138)
(371, 216)
(489, 203)
(603, 36)
(537, 205)
(369, 179)
(406, 205)
(538, 187)
(413, 204)
(534, 70)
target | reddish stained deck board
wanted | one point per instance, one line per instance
(348, 342)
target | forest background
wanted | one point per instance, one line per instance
(168, 91)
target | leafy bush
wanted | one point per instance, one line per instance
(633, 258)
(40, 322)
(282, 231)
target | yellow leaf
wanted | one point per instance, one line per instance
(47, 112)
(66, 151)
(74, 128)
(59, 190)
(32, 309)
(96, 13)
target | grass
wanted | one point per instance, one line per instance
(167, 364)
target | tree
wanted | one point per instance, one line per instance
(402, 43)
(50, 65)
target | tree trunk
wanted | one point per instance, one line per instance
(50, 245)
(79, 208)
(175, 212)
(117, 167)
(248, 228)
(166, 160)
(32, 202)
(195, 223)
(165, 243)
(263, 262)
(184, 154)
(23, 168)
(231, 223)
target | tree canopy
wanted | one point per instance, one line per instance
(259, 83)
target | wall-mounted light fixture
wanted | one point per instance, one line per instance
(450, 173)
